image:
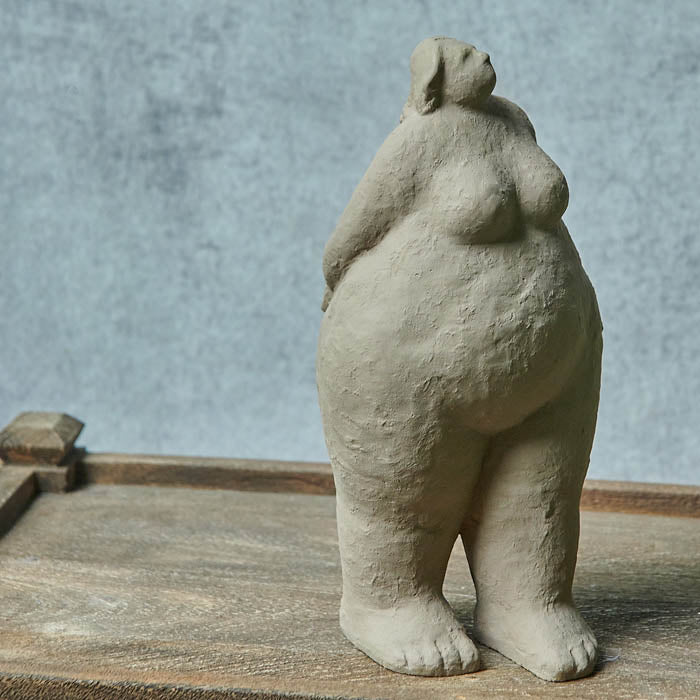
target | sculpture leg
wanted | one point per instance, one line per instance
(522, 538)
(402, 488)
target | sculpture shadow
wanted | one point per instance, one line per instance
(641, 602)
(636, 603)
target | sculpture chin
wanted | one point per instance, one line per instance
(491, 82)
(483, 89)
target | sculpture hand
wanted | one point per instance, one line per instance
(327, 294)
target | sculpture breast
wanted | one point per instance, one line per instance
(542, 189)
(477, 200)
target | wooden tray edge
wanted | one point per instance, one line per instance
(39, 687)
(317, 478)
(18, 486)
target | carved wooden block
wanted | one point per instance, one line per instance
(39, 437)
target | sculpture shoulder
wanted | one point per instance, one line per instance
(406, 143)
(501, 107)
(384, 194)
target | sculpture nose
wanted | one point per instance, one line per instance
(486, 57)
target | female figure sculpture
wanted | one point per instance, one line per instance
(458, 373)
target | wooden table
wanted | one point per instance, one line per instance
(177, 578)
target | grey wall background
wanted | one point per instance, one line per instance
(170, 172)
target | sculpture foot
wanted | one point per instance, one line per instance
(554, 643)
(420, 637)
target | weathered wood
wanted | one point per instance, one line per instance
(316, 477)
(206, 472)
(17, 488)
(171, 592)
(39, 437)
(58, 478)
(41, 688)
(634, 497)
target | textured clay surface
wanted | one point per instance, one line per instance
(458, 372)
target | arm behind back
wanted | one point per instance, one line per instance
(384, 195)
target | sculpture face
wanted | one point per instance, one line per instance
(458, 374)
(469, 77)
(445, 71)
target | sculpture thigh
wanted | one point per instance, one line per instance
(404, 475)
(521, 537)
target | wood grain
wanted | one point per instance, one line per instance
(207, 472)
(39, 436)
(635, 497)
(185, 593)
(20, 686)
(18, 487)
(316, 477)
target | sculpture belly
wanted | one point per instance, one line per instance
(494, 329)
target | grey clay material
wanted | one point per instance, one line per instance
(458, 374)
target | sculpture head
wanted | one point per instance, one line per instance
(444, 71)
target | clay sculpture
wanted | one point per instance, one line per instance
(458, 373)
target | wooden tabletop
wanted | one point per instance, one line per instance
(154, 577)
(128, 591)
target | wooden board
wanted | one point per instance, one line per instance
(115, 591)
(316, 477)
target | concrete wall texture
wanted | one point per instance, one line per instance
(170, 172)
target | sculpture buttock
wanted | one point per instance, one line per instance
(458, 373)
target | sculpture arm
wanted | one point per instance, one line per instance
(384, 194)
